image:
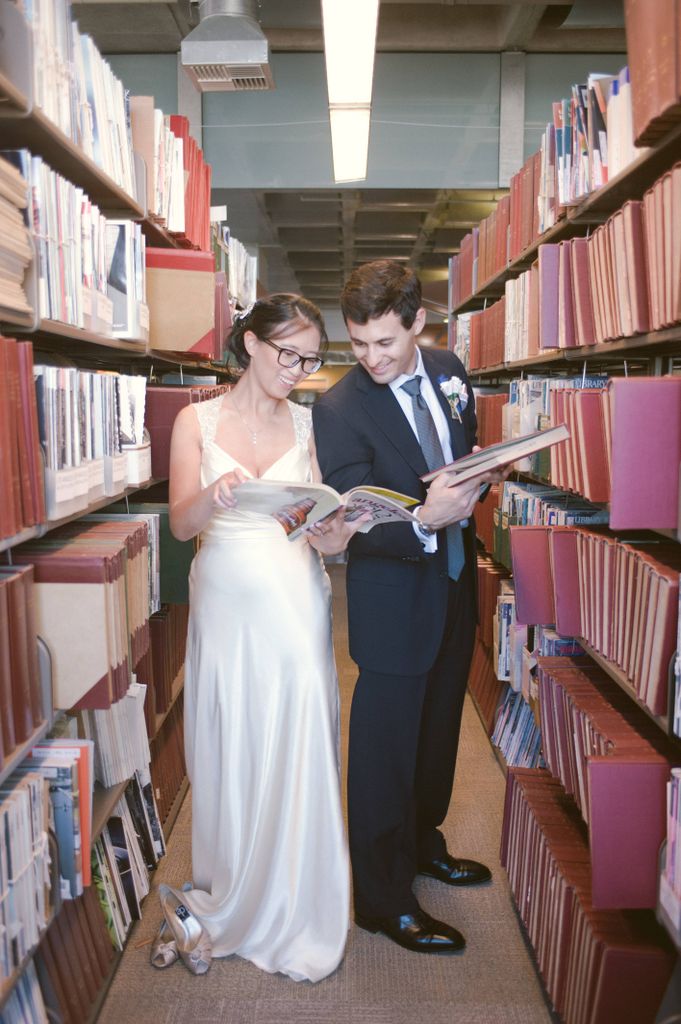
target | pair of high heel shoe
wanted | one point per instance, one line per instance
(180, 935)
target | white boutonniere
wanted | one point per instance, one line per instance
(456, 393)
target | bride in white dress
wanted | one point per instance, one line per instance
(269, 858)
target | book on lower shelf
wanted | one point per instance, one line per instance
(622, 960)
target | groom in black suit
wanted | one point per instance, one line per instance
(411, 601)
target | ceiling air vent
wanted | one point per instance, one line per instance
(227, 51)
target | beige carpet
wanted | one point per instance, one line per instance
(493, 982)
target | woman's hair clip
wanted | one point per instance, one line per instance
(244, 314)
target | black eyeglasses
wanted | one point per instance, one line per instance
(288, 358)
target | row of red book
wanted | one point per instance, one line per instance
(613, 761)
(21, 702)
(624, 448)
(654, 48)
(485, 688)
(621, 281)
(91, 607)
(162, 406)
(598, 966)
(74, 958)
(622, 598)
(21, 467)
(160, 667)
(574, 159)
(168, 769)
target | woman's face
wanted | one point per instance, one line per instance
(270, 358)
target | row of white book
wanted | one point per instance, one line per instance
(91, 427)
(77, 90)
(239, 265)
(587, 143)
(163, 155)
(120, 737)
(513, 660)
(52, 792)
(89, 269)
(517, 734)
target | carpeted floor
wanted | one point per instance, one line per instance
(492, 982)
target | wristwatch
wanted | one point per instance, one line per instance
(427, 531)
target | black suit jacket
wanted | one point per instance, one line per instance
(397, 594)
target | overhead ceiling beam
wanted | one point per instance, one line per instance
(518, 26)
(434, 219)
(349, 205)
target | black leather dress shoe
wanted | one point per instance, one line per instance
(418, 932)
(456, 872)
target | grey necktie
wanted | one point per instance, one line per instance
(434, 456)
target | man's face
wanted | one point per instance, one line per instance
(384, 347)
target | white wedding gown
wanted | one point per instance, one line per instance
(269, 856)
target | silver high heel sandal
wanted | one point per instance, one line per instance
(191, 938)
(164, 948)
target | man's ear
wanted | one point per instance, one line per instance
(419, 320)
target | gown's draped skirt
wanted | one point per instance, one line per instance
(270, 868)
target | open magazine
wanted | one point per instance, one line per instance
(497, 456)
(298, 506)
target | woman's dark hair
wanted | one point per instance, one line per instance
(276, 316)
(379, 287)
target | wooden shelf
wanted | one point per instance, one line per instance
(12, 99)
(178, 686)
(103, 804)
(158, 236)
(52, 524)
(19, 538)
(663, 342)
(631, 182)
(36, 132)
(618, 676)
(104, 988)
(494, 287)
(594, 209)
(7, 984)
(51, 330)
(24, 320)
(175, 808)
(20, 752)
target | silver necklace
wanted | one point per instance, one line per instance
(253, 433)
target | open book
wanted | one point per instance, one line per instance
(298, 506)
(496, 456)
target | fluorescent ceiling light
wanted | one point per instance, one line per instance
(350, 142)
(349, 45)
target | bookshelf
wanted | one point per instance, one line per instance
(654, 353)
(23, 125)
(664, 343)
(157, 235)
(178, 686)
(104, 801)
(39, 531)
(171, 817)
(619, 677)
(37, 133)
(630, 183)
(13, 102)
(22, 749)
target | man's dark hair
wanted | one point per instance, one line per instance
(379, 287)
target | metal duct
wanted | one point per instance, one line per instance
(227, 51)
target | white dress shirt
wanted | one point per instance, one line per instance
(429, 541)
